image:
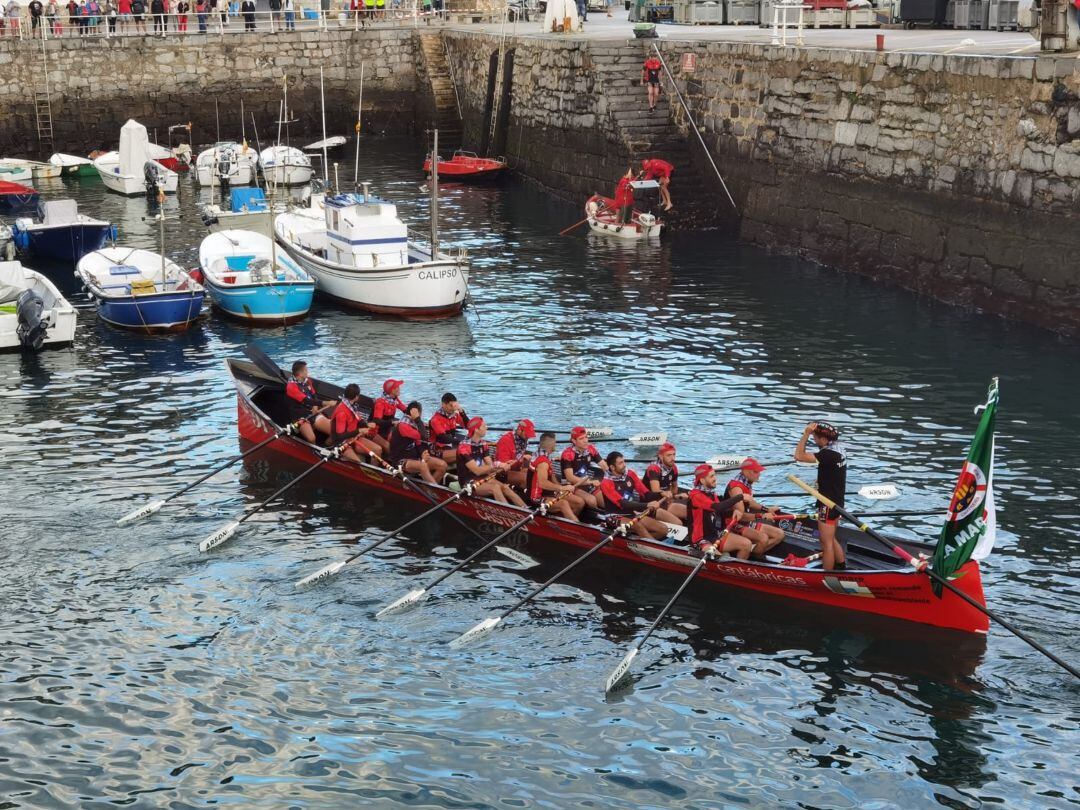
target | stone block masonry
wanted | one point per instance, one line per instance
(97, 84)
(955, 176)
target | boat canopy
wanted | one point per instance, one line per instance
(134, 148)
(247, 199)
(59, 212)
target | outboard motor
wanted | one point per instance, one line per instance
(33, 324)
(225, 170)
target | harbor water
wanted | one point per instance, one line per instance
(136, 671)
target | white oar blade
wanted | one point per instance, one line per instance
(517, 556)
(599, 432)
(324, 573)
(141, 512)
(725, 461)
(220, 536)
(411, 598)
(880, 492)
(621, 671)
(648, 439)
(473, 633)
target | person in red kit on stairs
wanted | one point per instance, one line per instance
(650, 77)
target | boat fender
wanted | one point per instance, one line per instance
(20, 237)
(196, 275)
(33, 323)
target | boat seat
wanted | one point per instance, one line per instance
(238, 262)
(124, 270)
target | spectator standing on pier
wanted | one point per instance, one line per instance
(275, 13)
(52, 14)
(583, 10)
(94, 10)
(110, 17)
(157, 9)
(13, 18)
(200, 12)
(248, 9)
(182, 9)
(124, 6)
(138, 10)
(223, 10)
(290, 15)
(36, 10)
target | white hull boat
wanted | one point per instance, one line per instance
(603, 218)
(13, 170)
(128, 170)
(285, 166)
(360, 255)
(234, 161)
(33, 313)
(72, 164)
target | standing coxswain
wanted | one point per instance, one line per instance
(303, 401)
(831, 460)
(762, 535)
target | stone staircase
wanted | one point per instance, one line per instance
(440, 79)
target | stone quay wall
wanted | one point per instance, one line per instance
(957, 177)
(97, 84)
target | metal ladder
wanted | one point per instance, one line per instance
(43, 107)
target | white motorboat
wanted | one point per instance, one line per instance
(360, 254)
(285, 166)
(13, 170)
(249, 210)
(131, 170)
(235, 162)
(33, 313)
(73, 165)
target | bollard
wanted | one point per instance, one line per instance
(881, 42)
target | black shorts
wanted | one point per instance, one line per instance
(654, 80)
(826, 514)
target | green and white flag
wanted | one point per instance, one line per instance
(968, 533)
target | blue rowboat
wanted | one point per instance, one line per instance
(248, 279)
(140, 290)
(61, 232)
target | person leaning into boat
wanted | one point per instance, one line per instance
(662, 480)
(387, 406)
(512, 449)
(408, 447)
(660, 171)
(347, 424)
(708, 514)
(625, 494)
(303, 401)
(474, 460)
(762, 535)
(577, 462)
(445, 425)
(831, 460)
(542, 481)
(624, 198)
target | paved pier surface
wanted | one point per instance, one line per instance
(944, 41)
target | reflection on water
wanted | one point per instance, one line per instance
(136, 671)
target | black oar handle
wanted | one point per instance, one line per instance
(921, 564)
(332, 454)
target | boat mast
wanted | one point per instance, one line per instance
(243, 131)
(359, 110)
(434, 194)
(322, 102)
(164, 268)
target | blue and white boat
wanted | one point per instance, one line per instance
(249, 210)
(61, 232)
(249, 279)
(141, 290)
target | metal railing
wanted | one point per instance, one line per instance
(313, 15)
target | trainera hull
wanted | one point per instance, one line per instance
(899, 594)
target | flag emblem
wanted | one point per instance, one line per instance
(969, 494)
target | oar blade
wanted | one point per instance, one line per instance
(408, 600)
(621, 672)
(880, 492)
(599, 432)
(321, 574)
(476, 631)
(519, 557)
(214, 540)
(648, 439)
(726, 461)
(140, 513)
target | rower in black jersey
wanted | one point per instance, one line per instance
(831, 459)
(409, 446)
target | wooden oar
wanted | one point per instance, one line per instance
(623, 669)
(513, 554)
(487, 625)
(154, 506)
(733, 462)
(600, 207)
(414, 596)
(872, 492)
(334, 568)
(218, 537)
(922, 565)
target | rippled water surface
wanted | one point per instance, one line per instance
(136, 671)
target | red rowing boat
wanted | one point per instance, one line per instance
(875, 582)
(467, 166)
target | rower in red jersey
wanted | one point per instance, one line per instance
(447, 428)
(512, 449)
(544, 483)
(763, 536)
(662, 479)
(576, 464)
(624, 494)
(660, 171)
(706, 514)
(349, 423)
(303, 401)
(474, 460)
(409, 447)
(386, 407)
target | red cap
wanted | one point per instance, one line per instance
(474, 424)
(527, 428)
(577, 432)
(666, 447)
(390, 385)
(752, 465)
(702, 470)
